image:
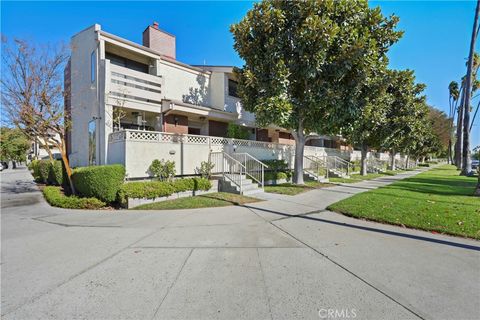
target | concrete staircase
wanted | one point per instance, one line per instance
(249, 187)
(312, 176)
(337, 174)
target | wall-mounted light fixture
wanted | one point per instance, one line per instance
(234, 148)
(175, 120)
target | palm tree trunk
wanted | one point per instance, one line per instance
(466, 161)
(459, 133)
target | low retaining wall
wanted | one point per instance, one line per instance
(135, 202)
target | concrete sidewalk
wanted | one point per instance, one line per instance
(285, 258)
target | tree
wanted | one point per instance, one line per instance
(405, 113)
(453, 96)
(32, 93)
(306, 62)
(368, 130)
(466, 161)
(439, 123)
(13, 145)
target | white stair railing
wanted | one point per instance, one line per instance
(338, 165)
(315, 166)
(230, 168)
(254, 168)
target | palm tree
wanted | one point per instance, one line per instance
(466, 161)
(453, 98)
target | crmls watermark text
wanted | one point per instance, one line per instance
(337, 313)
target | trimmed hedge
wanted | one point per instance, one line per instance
(423, 165)
(101, 182)
(55, 198)
(157, 189)
(56, 173)
(44, 169)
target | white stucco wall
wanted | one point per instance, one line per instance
(184, 84)
(84, 93)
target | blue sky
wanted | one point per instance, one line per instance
(435, 44)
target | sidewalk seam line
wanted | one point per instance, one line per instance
(173, 283)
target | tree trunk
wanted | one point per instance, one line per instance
(449, 154)
(299, 149)
(406, 161)
(66, 164)
(392, 160)
(363, 169)
(459, 133)
(466, 161)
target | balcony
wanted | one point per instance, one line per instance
(133, 89)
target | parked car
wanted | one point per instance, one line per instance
(475, 164)
(4, 165)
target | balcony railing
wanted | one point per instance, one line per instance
(134, 85)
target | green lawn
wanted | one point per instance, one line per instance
(217, 199)
(292, 189)
(436, 200)
(356, 177)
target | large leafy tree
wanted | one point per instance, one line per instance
(368, 130)
(13, 145)
(306, 63)
(405, 114)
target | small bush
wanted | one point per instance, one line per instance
(237, 132)
(43, 170)
(35, 167)
(55, 198)
(56, 174)
(275, 175)
(157, 189)
(101, 182)
(276, 165)
(205, 169)
(423, 165)
(163, 170)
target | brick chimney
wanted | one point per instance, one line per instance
(159, 40)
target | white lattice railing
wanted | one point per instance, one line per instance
(239, 144)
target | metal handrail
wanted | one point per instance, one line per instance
(231, 169)
(317, 164)
(254, 168)
(338, 163)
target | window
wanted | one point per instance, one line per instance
(92, 143)
(232, 88)
(93, 66)
(127, 63)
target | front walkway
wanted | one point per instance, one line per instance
(284, 258)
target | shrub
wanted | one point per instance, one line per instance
(43, 170)
(423, 165)
(56, 173)
(237, 132)
(205, 169)
(276, 165)
(101, 182)
(275, 175)
(35, 167)
(55, 198)
(163, 170)
(156, 189)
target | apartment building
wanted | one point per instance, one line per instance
(130, 103)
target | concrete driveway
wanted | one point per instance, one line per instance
(284, 258)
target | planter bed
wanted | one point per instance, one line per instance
(135, 202)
